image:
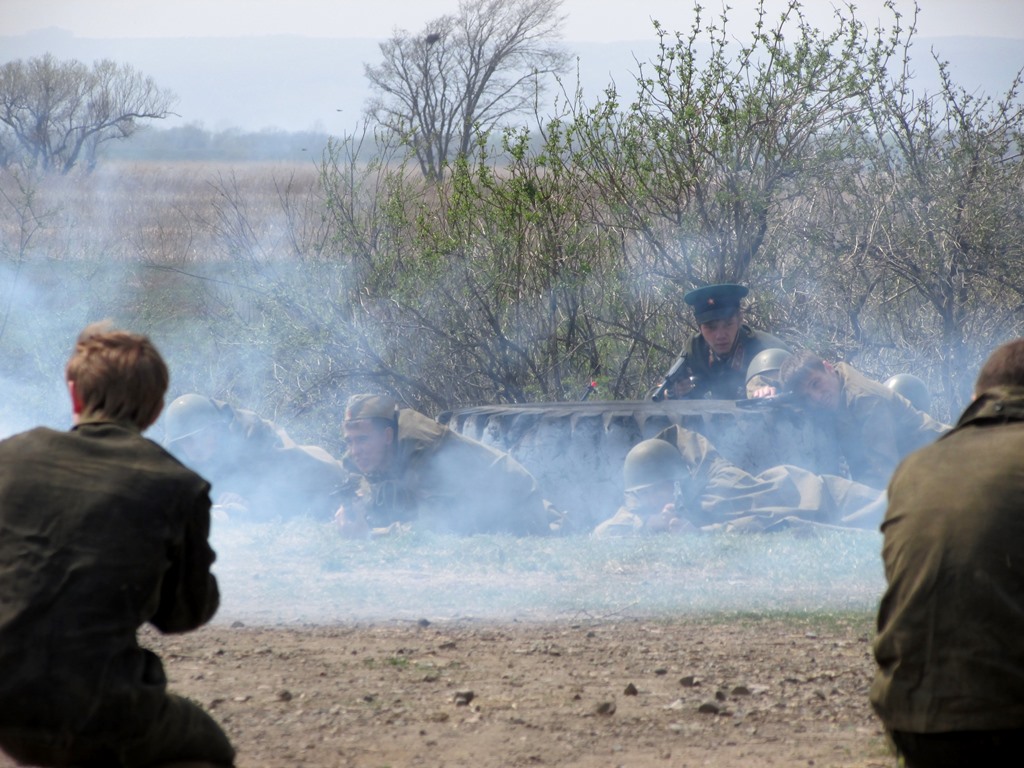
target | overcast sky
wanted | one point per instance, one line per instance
(587, 20)
(262, 81)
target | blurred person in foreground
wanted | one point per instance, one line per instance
(420, 474)
(714, 362)
(874, 425)
(949, 687)
(101, 531)
(677, 482)
(257, 471)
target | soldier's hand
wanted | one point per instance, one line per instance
(679, 525)
(352, 523)
(394, 529)
(746, 524)
(764, 392)
(666, 521)
(680, 389)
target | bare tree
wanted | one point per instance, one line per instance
(703, 163)
(464, 73)
(59, 113)
(934, 212)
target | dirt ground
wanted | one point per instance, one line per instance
(636, 693)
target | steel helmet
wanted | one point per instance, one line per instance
(187, 415)
(912, 388)
(650, 462)
(767, 362)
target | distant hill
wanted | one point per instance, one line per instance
(315, 84)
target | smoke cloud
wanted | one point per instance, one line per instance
(157, 263)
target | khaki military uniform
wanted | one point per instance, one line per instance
(725, 378)
(101, 531)
(260, 473)
(876, 427)
(442, 481)
(950, 624)
(718, 495)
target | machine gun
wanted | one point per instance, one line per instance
(680, 371)
(774, 401)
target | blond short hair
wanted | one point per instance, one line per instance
(118, 375)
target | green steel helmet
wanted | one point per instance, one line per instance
(912, 388)
(650, 462)
(767, 362)
(188, 415)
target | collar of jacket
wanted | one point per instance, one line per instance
(999, 404)
(103, 421)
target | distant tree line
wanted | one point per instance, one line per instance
(55, 115)
(195, 143)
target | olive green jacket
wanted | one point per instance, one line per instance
(101, 531)
(950, 641)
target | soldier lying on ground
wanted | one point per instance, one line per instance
(678, 482)
(258, 472)
(420, 473)
(101, 531)
(874, 425)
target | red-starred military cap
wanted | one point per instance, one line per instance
(714, 302)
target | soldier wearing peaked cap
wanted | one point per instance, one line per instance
(716, 359)
(419, 473)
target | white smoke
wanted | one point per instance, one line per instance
(298, 572)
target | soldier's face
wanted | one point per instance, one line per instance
(822, 389)
(369, 444)
(721, 334)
